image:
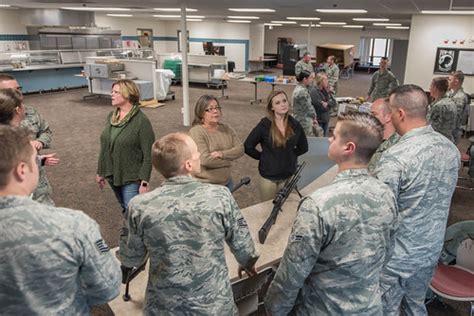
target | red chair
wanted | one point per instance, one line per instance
(456, 282)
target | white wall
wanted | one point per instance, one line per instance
(323, 35)
(11, 25)
(428, 32)
(257, 41)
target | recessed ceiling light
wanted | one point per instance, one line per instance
(243, 17)
(272, 24)
(194, 20)
(251, 10)
(174, 9)
(354, 26)
(460, 12)
(332, 23)
(178, 16)
(398, 27)
(94, 9)
(301, 18)
(341, 10)
(239, 21)
(387, 24)
(312, 25)
(284, 22)
(120, 15)
(5, 5)
(371, 19)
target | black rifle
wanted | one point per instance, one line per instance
(128, 274)
(278, 202)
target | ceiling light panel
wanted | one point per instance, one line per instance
(354, 11)
(94, 9)
(239, 21)
(398, 27)
(312, 25)
(178, 16)
(353, 26)
(263, 10)
(370, 20)
(456, 12)
(301, 18)
(272, 24)
(332, 23)
(243, 17)
(387, 24)
(120, 15)
(5, 5)
(174, 9)
(284, 22)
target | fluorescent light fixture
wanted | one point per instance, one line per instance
(243, 17)
(370, 19)
(120, 15)
(284, 22)
(312, 25)
(460, 12)
(5, 5)
(239, 21)
(387, 24)
(341, 10)
(353, 26)
(174, 9)
(398, 27)
(332, 23)
(272, 24)
(178, 16)
(194, 20)
(94, 9)
(251, 10)
(301, 18)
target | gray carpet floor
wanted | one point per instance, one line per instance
(77, 124)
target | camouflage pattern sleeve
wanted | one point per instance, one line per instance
(100, 273)
(38, 126)
(298, 68)
(393, 82)
(301, 254)
(389, 171)
(372, 84)
(134, 252)
(238, 237)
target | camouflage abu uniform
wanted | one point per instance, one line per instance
(386, 144)
(303, 109)
(41, 132)
(183, 226)
(381, 85)
(421, 169)
(333, 77)
(336, 250)
(442, 115)
(302, 65)
(53, 260)
(461, 101)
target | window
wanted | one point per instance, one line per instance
(378, 48)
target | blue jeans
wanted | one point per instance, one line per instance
(325, 127)
(230, 185)
(125, 193)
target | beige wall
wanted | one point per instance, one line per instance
(428, 32)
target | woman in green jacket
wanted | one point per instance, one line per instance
(125, 145)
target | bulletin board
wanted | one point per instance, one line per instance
(452, 59)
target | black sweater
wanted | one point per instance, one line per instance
(276, 163)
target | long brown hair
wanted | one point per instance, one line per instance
(278, 139)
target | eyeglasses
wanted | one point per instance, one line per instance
(209, 110)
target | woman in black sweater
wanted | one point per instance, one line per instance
(282, 140)
(323, 101)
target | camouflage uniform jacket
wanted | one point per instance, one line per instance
(381, 85)
(303, 109)
(182, 226)
(422, 171)
(53, 260)
(302, 65)
(386, 144)
(341, 237)
(40, 131)
(461, 101)
(442, 115)
(333, 76)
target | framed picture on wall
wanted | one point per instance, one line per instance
(446, 60)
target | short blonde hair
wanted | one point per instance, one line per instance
(10, 99)
(320, 77)
(129, 90)
(16, 148)
(169, 153)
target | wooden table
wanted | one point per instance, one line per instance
(270, 252)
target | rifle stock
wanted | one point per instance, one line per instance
(278, 202)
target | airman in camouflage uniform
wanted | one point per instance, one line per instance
(383, 81)
(333, 74)
(41, 133)
(421, 169)
(53, 260)
(41, 139)
(457, 94)
(381, 110)
(304, 64)
(182, 226)
(442, 112)
(303, 109)
(341, 237)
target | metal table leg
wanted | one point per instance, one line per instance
(256, 99)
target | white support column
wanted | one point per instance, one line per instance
(308, 40)
(184, 71)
